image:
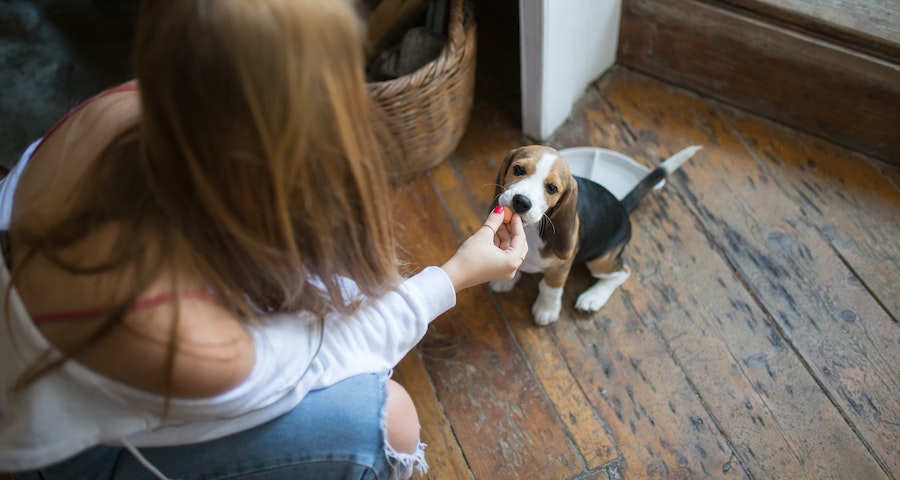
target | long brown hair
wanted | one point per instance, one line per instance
(256, 145)
(253, 163)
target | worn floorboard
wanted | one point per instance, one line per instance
(756, 338)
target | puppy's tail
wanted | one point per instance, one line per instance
(657, 175)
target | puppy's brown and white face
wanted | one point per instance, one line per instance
(532, 180)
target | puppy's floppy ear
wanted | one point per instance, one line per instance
(561, 231)
(501, 176)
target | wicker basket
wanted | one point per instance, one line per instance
(420, 117)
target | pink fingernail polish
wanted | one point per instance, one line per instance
(498, 209)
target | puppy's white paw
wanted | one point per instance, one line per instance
(548, 304)
(501, 286)
(546, 313)
(595, 298)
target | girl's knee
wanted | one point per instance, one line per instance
(401, 419)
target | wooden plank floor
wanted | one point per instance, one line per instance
(756, 338)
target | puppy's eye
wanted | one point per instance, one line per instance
(551, 188)
(518, 170)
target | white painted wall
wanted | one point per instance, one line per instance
(565, 45)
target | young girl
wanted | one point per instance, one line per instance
(199, 266)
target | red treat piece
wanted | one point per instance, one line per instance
(507, 214)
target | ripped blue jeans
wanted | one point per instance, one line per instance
(334, 433)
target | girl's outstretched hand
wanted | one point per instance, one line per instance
(494, 252)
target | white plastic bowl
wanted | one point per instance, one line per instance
(618, 173)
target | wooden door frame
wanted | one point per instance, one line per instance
(565, 46)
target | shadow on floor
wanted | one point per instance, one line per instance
(53, 55)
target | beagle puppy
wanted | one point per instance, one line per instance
(569, 220)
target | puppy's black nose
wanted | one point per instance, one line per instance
(521, 203)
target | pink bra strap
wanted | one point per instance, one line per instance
(141, 304)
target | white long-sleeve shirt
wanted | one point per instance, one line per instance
(73, 408)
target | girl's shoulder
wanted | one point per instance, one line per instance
(69, 148)
(214, 350)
